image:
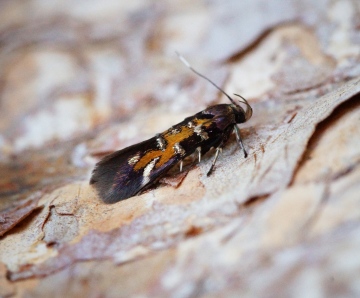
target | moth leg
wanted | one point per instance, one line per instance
(181, 166)
(239, 140)
(218, 149)
(198, 149)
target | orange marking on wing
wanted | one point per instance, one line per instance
(149, 156)
(171, 139)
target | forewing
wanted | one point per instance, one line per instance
(118, 176)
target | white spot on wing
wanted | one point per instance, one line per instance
(150, 166)
(133, 160)
(178, 149)
(201, 133)
(161, 143)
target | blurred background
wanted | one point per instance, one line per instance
(68, 67)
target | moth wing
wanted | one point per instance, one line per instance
(114, 176)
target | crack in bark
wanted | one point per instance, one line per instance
(322, 126)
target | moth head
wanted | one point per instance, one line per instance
(248, 112)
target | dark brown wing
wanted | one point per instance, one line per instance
(115, 177)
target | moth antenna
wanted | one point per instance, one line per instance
(248, 112)
(183, 60)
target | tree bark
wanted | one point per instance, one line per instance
(81, 80)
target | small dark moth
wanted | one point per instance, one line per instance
(129, 171)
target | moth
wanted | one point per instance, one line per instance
(128, 171)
